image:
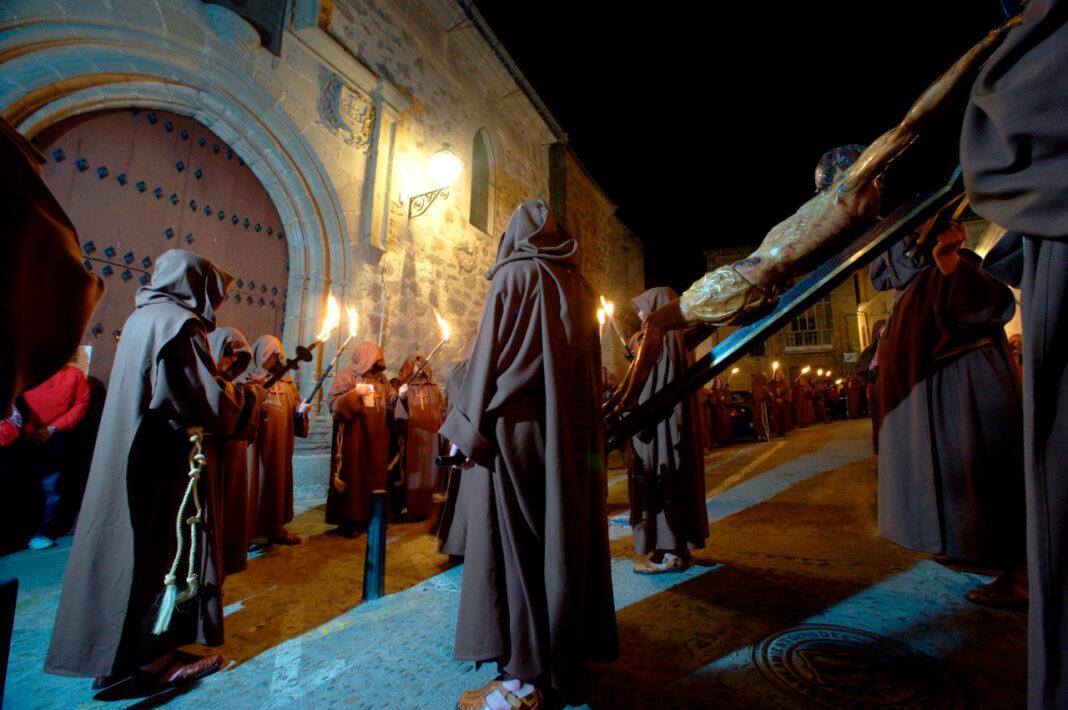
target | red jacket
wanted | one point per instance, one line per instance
(59, 401)
(10, 427)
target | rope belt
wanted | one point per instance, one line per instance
(171, 597)
(339, 484)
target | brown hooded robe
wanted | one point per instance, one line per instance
(804, 412)
(125, 542)
(1014, 153)
(270, 467)
(666, 470)
(451, 537)
(364, 429)
(537, 587)
(950, 433)
(719, 395)
(781, 407)
(422, 413)
(46, 295)
(233, 458)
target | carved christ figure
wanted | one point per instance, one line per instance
(849, 203)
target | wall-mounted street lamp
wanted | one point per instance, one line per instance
(443, 170)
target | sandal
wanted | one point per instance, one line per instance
(286, 538)
(669, 565)
(999, 594)
(478, 699)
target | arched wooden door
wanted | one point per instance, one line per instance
(136, 183)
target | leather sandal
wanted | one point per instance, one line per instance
(286, 538)
(477, 699)
(673, 565)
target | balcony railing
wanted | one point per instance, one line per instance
(807, 340)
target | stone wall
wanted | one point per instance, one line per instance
(338, 126)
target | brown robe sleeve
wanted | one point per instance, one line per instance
(301, 422)
(506, 361)
(189, 388)
(40, 262)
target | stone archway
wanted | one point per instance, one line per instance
(52, 70)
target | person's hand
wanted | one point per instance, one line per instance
(467, 464)
(403, 392)
(946, 253)
(656, 325)
(303, 407)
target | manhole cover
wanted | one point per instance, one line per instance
(840, 667)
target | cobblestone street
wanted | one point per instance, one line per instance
(795, 603)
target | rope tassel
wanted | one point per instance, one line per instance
(171, 596)
(339, 485)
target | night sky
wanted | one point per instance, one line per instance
(704, 124)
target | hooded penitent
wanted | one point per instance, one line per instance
(125, 541)
(270, 481)
(537, 591)
(1014, 154)
(421, 415)
(233, 457)
(361, 428)
(666, 468)
(950, 439)
(46, 295)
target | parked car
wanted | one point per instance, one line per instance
(740, 410)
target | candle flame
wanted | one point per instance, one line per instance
(608, 306)
(600, 316)
(805, 369)
(446, 332)
(775, 365)
(352, 321)
(819, 372)
(331, 320)
(827, 373)
(735, 371)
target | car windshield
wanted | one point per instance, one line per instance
(741, 396)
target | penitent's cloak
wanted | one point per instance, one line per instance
(537, 590)
(270, 461)
(666, 470)
(421, 415)
(362, 428)
(46, 295)
(1014, 155)
(163, 381)
(233, 457)
(950, 436)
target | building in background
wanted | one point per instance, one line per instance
(297, 143)
(830, 334)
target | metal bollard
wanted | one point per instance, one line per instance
(374, 565)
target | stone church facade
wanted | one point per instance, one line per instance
(335, 108)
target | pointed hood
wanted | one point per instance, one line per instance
(532, 233)
(367, 357)
(410, 365)
(262, 350)
(188, 280)
(653, 299)
(225, 341)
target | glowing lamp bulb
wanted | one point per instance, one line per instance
(444, 167)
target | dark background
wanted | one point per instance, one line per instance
(704, 123)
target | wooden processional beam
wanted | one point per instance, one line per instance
(891, 229)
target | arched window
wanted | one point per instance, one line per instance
(481, 182)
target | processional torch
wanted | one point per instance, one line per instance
(610, 312)
(446, 333)
(351, 312)
(304, 353)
